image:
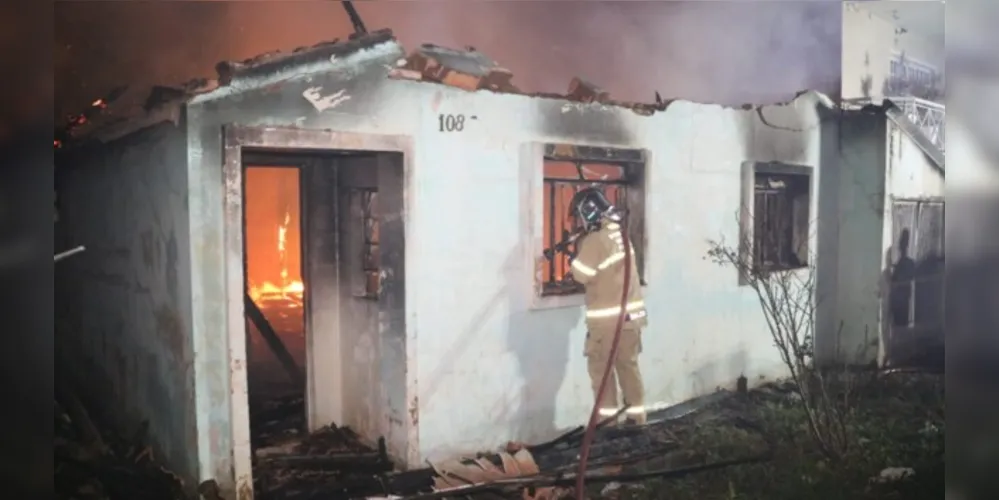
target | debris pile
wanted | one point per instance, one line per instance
(468, 70)
(332, 464)
(289, 463)
(95, 465)
(472, 70)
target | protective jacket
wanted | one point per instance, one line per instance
(599, 265)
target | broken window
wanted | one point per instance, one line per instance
(781, 208)
(566, 171)
(365, 203)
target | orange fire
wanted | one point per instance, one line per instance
(269, 188)
(268, 291)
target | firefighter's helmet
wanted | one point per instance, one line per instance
(590, 206)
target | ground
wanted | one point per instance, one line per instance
(898, 422)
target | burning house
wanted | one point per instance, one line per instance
(366, 227)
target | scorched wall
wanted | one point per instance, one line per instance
(124, 305)
(486, 360)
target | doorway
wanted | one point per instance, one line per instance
(313, 254)
(914, 307)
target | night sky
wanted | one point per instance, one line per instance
(727, 52)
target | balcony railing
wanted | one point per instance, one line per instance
(927, 115)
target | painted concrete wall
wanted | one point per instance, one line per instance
(878, 163)
(361, 76)
(487, 360)
(869, 45)
(126, 300)
(860, 220)
(911, 174)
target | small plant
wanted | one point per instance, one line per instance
(788, 301)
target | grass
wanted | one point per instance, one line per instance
(898, 421)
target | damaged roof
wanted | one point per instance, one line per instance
(126, 110)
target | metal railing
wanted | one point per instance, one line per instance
(927, 115)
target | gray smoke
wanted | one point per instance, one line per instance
(727, 52)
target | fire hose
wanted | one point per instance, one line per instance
(584, 450)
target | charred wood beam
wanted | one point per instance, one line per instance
(594, 477)
(66, 132)
(370, 461)
(273, 341)
(574, 434)
(69, 253)
(355, 18)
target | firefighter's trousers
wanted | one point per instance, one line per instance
(625, 370)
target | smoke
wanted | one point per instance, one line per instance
(727, 52)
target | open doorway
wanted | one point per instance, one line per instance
(275, 302)
(313, 261)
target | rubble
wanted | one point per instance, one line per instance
(466, 69)
(90, 464)
(583, 91)
(333, 464)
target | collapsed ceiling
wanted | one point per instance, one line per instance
(465, 69)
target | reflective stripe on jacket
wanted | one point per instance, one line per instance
(599, 265)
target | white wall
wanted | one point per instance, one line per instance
(869, 44)
(488, 362)
(860, 222)
(911, 173)
(497, 364)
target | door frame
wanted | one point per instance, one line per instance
(886, 337)
(237, 140)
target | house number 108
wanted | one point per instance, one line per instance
(451, 123)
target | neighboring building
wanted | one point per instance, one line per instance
(895, 50)
(467, 338)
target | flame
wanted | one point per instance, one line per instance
(269, 292)
(288, 291)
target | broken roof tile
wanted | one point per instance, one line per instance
(584, 91)
(273, 62)
(500, 80)
(469, 70)
(468, 62)
(460, 80)
(405, 74)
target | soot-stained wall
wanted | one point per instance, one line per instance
(487, 361)
(341, 93)
(124, 304)
(854, 329)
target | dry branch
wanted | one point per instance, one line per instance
(788, 301)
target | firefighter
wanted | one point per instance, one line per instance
(599, 266)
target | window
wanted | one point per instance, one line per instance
(365, 204)
(568, 169)
(780, 217)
